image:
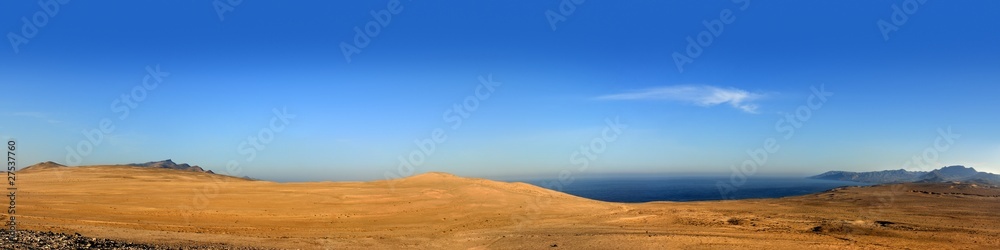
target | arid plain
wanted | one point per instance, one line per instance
(442, 211)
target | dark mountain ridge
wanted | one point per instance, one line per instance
(170, 164)
(945, 174)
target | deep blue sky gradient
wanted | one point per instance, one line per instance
(353, 119)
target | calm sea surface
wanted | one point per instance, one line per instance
(644, 189)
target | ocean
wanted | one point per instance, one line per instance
(645, 189)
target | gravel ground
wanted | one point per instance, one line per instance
(48, 240)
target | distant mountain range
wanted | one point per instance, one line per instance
(945, 174)
(168, 164)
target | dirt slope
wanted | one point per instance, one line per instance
(438, 210)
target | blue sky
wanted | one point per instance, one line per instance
(224, 75)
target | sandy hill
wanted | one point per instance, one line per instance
(438, 210)
(42, 165)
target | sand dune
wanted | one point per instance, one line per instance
(438, 210)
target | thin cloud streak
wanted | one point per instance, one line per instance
(701, 95)
(36, 115)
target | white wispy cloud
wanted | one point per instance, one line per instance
(36, 115)
(701, 95)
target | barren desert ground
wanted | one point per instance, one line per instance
(442, 211)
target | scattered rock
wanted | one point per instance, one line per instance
(50, 240)
(734, 221)
(884, 223)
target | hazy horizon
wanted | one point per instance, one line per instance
(545, 175)
(487, 89)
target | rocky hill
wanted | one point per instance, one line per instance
(44, 165)
(168, 164)
(171, 165)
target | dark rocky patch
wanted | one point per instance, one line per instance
(48, 240)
